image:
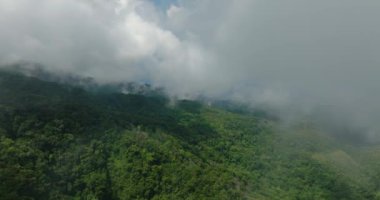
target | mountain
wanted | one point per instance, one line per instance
(61, 141)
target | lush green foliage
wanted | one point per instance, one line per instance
(62, 142)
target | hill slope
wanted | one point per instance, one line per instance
(63, 142)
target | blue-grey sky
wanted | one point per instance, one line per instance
(164, 4)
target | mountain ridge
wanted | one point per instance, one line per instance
(64, 142)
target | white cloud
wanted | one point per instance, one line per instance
(109, 40)
(299, 52)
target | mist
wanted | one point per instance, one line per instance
(296, 56)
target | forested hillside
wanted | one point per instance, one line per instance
(59, 141)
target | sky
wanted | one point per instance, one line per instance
(164, 4)
(297, 55)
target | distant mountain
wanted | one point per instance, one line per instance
(66, 141)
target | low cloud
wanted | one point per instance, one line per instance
(299, 54)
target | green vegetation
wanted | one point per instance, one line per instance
(63, 142)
